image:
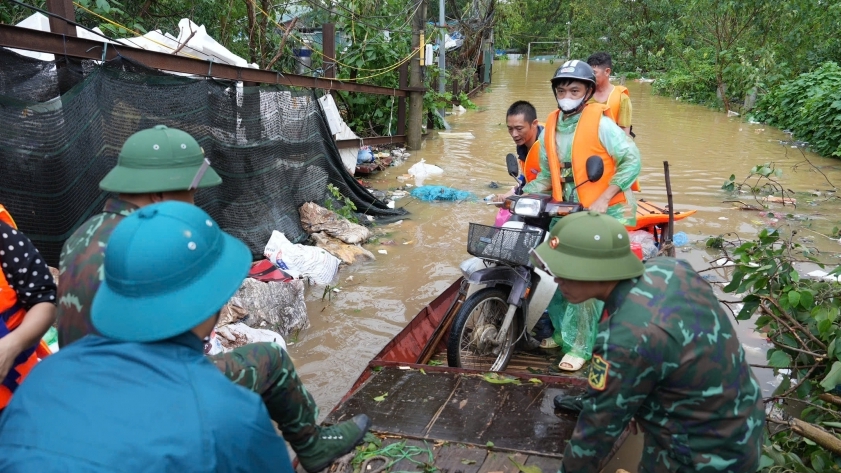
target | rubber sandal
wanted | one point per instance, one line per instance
(575, 362)
(548, 343)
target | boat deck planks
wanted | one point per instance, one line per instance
(462, 408)
(544, 362)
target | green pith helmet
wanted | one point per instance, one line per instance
(589, 246)
(160, 159)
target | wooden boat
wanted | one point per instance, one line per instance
(465, 420)
(456, 414)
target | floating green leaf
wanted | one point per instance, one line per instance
(381, 398)
(524, 468)
(496, 378)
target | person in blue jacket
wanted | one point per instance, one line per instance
(142, 396)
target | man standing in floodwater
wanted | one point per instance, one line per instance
(615, 97)
(666, 355)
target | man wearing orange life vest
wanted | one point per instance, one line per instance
(524, 129)
(27, 305)
(616, 97)
(574, 132)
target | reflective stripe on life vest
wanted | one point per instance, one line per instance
(585, 143)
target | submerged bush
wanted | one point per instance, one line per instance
(810, 106)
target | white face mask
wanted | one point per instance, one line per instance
(569, 105)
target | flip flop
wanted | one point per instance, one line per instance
(548, 343)
(575, 362)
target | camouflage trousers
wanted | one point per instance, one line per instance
(266, 369)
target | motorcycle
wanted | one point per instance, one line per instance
(492, 320)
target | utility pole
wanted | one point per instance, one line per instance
(442, 50)
(413, 134)
(569, 40)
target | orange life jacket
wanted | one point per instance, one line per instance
(613, 101)
(531, 168)
(585, 143)
(612, 112)
(11, 316)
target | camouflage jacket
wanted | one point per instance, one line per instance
(80, 270)
(667, 354)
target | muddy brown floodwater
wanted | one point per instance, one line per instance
(704, 147)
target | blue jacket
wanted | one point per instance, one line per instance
(101, 405)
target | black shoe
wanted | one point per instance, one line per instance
(569, 403)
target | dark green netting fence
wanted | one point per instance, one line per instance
(271, 145)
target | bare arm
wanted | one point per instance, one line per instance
(34, 325)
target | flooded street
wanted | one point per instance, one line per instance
(704, 147)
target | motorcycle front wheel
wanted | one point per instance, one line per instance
(473, 338)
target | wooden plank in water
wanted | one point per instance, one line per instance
(411, 400)
(500, 462)
(457, 458)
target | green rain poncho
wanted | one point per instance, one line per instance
(575, 324)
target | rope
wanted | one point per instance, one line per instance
(364, 467)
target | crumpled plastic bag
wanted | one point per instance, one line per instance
(421, 169)
(364, 155)
(301, 260)
(646, 241)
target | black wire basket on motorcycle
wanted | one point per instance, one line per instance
(505, 245)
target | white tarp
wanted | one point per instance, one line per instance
(199, 44)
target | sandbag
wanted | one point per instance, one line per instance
(347, 253)
(315, 218)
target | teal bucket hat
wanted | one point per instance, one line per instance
(168, 267)
(588, 246)
(160, 159)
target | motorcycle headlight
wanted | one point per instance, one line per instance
(527, 207)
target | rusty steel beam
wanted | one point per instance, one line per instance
(64, 9)
(61, 45)
(376, 140)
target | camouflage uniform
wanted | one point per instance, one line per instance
(264, 368)
(667, 355)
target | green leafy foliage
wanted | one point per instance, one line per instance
(810, 106)
(343, 206)
(800, 317)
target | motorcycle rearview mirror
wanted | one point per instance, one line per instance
(595, 168)
(513, 167)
